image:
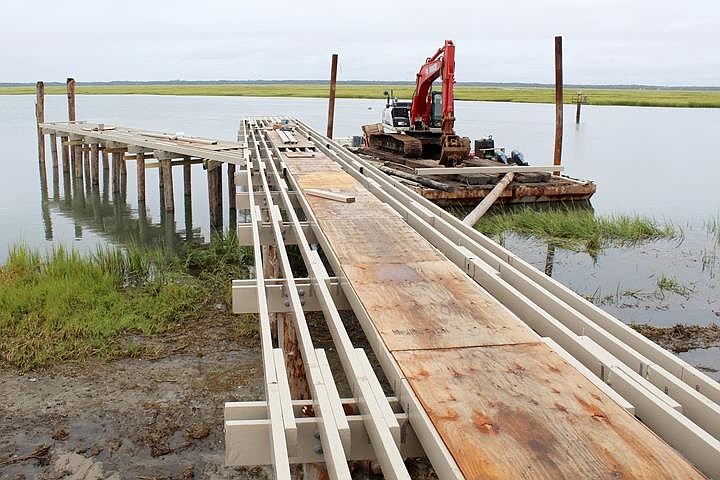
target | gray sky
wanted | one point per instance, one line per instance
(650, 42)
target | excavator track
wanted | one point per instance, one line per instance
(396, 143)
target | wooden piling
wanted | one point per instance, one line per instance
(557, 158)
(331, 99)
(78, 164)
(577, 110)
(140, 166)
(115, 172)
(232, 190)
(94, 165)
(214, 177)
(166, 167)
(86, 161)
(54, 151)
(187, 179)
(65, 150)
(40, 118)
(72, 117)
(70, 90)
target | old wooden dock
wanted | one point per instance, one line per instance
(495, 369)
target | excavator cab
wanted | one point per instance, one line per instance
(396, 114)
(436, 110)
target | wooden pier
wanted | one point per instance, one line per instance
(495, 369)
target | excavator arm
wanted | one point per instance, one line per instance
(442, 63)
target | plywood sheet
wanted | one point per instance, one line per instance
(522, 412)
(430, 304)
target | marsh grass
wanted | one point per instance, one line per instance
(64, 305)
(671, 284)
(596, 96)
(577, 229)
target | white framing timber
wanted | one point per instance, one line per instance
(378, 430)
(654, 381)
(244, 296)
(475, 170)
(376, 425)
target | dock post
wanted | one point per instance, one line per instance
(72, 117)
(557, 158)
(40, 118)
(331, 99)
(65, 150)
(166, 167)
(214, 177)
(187, 179)
(140, 167)
(115, 173)
(94, 165)
(232, 189)
(76, 157)
(86, 161)
(577, 110)
(54, 151)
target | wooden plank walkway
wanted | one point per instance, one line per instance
(505, 405)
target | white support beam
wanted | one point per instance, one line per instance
(492, 170)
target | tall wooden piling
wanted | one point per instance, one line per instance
(72, 117)
(557, 158)
(54, 151)
(65, 150)
(70, 90)
(331, 98)
(140, 167)
(166, 167)
(76, 149)
(94, 165)
(40, 118)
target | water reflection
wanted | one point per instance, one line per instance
(94, 208)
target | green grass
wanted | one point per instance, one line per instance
(671, 284)
(596, 96)
(67, 306)
(578, 230)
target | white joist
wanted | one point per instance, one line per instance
(244, 296)
(333, 452)
(385, 407)
(384, 446)
(490, 170)
(252, 436)
(336, 403)
(288, 415)
(244, 233)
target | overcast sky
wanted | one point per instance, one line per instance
(605, 42)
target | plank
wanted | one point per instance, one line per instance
(501, 169)
(424, 305)
(521, 411)
(330, 195)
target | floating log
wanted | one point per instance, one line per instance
(489, 200)
(416, 178)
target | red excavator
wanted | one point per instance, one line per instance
(424, 127)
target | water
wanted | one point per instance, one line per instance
(660, 162)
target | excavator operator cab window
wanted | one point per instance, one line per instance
(436, 112)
